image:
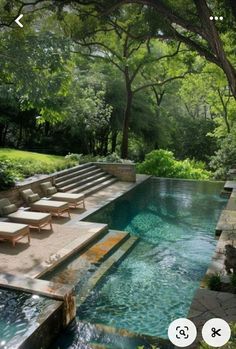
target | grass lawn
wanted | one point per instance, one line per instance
(24, 164)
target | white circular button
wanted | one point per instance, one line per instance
(182, 332)
(216, 332)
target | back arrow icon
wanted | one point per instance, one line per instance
(17, 20)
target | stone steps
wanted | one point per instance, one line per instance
(74, 270)
(71, 170)
(72, 177)
(85, 179)
(100, 273)
(94, 185)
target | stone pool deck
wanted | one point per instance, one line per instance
(208, 304)
(68, 235)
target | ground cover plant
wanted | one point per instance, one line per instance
(17, 165)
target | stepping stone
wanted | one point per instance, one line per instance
(227, 221)
(229, 185)
(231, 205)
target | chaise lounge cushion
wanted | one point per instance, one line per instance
(48, 188)
(9, 209)
(29, 196)
(6, 207)
(11, 229)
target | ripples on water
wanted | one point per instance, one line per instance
(175, 221)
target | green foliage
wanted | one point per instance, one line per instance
(74, 157)
(161, 163)
(113, 158)
(214, 283)
(8, 176)
(225, 157)
(19, 164)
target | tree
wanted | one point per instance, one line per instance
(113, 42)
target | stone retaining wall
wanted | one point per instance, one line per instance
(124, 172)
(14, 194)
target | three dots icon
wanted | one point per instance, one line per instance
(216, 18)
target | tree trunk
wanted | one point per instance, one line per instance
(113, 141)
(127, 115)
(2, 127)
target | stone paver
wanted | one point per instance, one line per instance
(227, 221)
(231, 204)
(208, 304)
(229, 185)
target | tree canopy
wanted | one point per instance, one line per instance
(98, 77)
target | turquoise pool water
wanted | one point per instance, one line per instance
(175, 221)
(19, 312)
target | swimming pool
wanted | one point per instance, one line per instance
(175, 222)
(20, 313)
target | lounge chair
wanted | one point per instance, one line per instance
(14, 232)
(43, 205)
(73, 199)
(33, 219)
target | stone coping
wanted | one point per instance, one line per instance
(70, 249)
(35, 286)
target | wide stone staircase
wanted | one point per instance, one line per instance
(86, 179)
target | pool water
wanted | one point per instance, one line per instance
(175, 222)
(19, 313)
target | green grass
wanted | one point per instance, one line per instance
(22, 164)
(18, 155)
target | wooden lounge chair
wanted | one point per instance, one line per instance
(73, 199)
(14, 232)
(43, 205)
(33, 219)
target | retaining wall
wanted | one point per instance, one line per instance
(124, 172)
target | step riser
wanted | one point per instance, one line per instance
(72, 170)
(79, 178)
(75, 173)
(113, 249)
(90, 184)
(80, 183)
(102, 186)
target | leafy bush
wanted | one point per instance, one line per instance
(225, 157)
(214, 283)
(114, 158)
(8, 176)
(73, 157)
(161, 163)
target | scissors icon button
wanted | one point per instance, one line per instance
(216, 332)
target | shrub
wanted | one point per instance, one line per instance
(8, 176)
(114, 158)
(225, 157)
(214, 283)
(73, 157)
(161, 163)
